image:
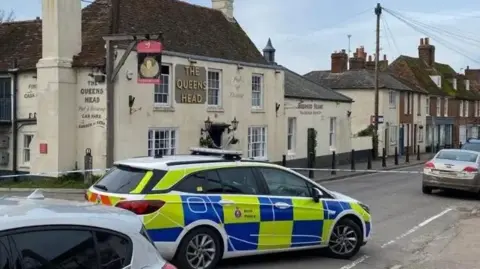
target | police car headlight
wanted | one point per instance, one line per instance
(366, 208)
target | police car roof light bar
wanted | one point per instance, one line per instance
(226, 154)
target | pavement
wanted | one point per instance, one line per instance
(411, 230)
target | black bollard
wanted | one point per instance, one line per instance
(460, 145)
(333, 164)
(369, 160)
(352, 160)
(284, 160)
(418, 152)
(438, 147)
(407, 155)
(396, 156)
(312, 165)
(384, 157)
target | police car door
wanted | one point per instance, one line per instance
(241, 208)
(297, 220)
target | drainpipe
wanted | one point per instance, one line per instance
(14, 75)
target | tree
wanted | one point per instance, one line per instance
(6, 16)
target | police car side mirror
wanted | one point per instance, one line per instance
(316, 194)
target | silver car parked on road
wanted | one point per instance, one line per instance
(452, 169)
(46, 233)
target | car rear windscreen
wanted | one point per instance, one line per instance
(121, 179)
(457, 155)
(471, 146)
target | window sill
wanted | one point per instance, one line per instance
(258, 110)
(264, 159)
(215, 109)
(393, 107)
(24, 166)
(164, 109)
(290, 153)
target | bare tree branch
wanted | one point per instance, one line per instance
(6, 16)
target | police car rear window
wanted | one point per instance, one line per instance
(120, 179)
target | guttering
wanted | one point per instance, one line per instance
(14, 76)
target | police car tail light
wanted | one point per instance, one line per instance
(429, 165)
(141, 207)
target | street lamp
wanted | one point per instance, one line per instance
(233, 126)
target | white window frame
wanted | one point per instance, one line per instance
(445, 107)
(211, 87)
(466, 108)
(291, 135)
(171, 149)
(439, 107)
(156, 90)
(410, 108)
(263, 141)
(461, 108)
(258, 88)
(392, 99)
(27, 149)
(427, 107)
(406, 100)
(332, 134)
(393, 134)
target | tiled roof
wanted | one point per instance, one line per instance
(356, 79)
(415, 71)
(186, 28)
(297, 86)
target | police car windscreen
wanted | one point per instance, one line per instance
(121, 179)
(471, 146)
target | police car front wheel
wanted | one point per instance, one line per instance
(199, 249)
(345, 240)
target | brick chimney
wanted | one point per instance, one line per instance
(472, 74)
(225, 6)
(357, 62)
(339, 62)
(370, 64)
(426, 52)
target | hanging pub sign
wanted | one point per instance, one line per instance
(149, 61)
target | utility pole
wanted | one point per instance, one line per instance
(378, 13)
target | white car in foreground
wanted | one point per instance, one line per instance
(36, 232)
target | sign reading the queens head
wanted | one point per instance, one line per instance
(190, 84)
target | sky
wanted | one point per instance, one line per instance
(306, 32)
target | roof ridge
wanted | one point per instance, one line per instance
(21, 22)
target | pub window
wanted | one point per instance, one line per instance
(214, 87)
(162, 91)
(257, 91)
(162, 141)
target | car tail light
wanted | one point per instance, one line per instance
(141, 207)
(169, 266)
(429, 165)
(85, 196)
(470, 169)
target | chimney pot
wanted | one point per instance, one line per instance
(369, 58)
(427, 41)
(468, 67)
(421, 41)
(384, 57)
(344, 51)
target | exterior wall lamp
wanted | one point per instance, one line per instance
(234, 125)
(208, 125)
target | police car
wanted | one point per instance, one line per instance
(212, 205)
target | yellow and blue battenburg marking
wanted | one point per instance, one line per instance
(251, 223)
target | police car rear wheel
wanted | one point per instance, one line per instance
(345, 240)
(199, 249)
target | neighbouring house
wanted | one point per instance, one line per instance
(399, 127)
(452, 105)
(52, 79)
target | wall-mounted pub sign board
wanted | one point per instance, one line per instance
(149, 61)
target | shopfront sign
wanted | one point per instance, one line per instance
(190, 84)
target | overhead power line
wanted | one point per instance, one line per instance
(435, 37)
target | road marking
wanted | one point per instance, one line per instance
(356, 262)
(415, 228)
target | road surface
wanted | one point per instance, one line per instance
(405, 222)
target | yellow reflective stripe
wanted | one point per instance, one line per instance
(275, 234)
(169, 216)
(327, 229)
(360, 211)
(143, 182)
(303, 209)
(245, 209)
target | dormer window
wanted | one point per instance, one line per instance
(437, 80)
(467, 85)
